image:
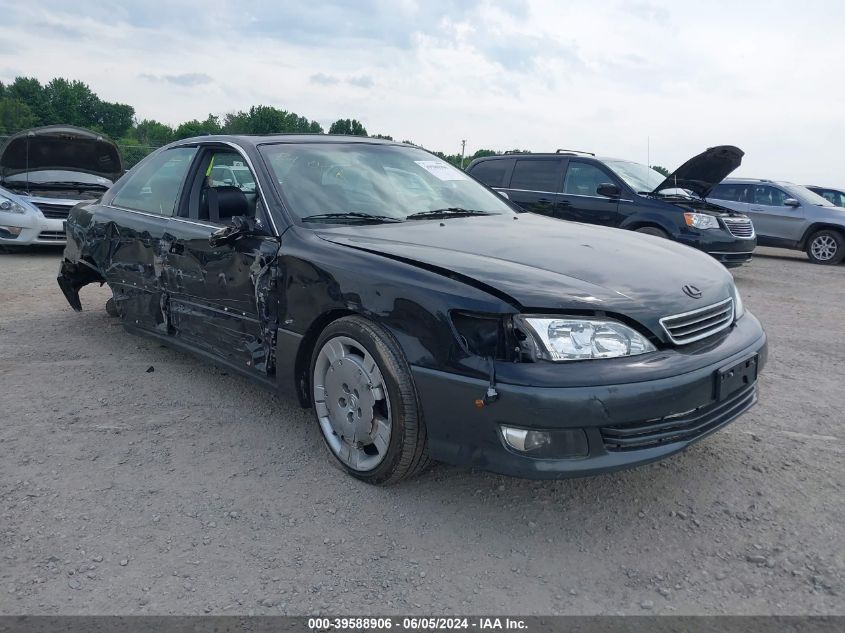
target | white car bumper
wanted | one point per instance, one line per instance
(35, 230)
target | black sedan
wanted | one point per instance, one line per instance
(418, 313)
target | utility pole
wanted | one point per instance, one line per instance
(463, 150)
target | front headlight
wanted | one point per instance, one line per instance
(11, 206)
(562, 339)
(701, 220)
(739, 308)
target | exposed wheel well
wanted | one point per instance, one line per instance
(306, 349)
(820, 226)
(643, 223)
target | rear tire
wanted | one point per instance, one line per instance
(826, 247)
(652, 230)
(366, 403)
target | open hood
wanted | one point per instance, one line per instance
(703, 172)
(60, 147)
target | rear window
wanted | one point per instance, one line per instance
(536, 175)
(154, 184)
(491, 172)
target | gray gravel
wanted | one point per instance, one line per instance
(186, 490)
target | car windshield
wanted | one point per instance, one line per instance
(356, 181)
(636, 175)
(811, 197)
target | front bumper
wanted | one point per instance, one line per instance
(684, 407)
(722, 245)
(36, 230)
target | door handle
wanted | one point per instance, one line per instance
(565, 203)
(544, 201)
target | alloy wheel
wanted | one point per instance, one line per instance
(824, 248)
(352, 403)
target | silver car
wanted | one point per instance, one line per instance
(788, 216)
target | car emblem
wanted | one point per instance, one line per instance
(692, 291)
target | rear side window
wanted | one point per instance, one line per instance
(155, 185)
(732, 192)
(536, 175)
(491, 172)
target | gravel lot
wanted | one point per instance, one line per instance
(136, 479)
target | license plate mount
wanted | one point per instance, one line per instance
(736, 377)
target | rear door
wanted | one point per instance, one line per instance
(218, 294)
(535, 184)
(580, 200)
(776, 223)
(139, 215)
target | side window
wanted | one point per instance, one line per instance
(582, 179)
(768, 196)
(491, 172)
(536, 175)
(732, 192)
(155, 185)
(228, 188)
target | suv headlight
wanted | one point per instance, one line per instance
(11, 206)
(562, 338)
(701, 220)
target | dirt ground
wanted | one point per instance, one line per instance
(136, 479)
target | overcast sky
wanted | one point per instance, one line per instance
(601, 76)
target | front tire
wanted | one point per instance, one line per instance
(366, 403)
(652, 230)
(826, 247)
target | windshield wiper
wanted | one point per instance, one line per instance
(446, 213)
(64, 184)
(353, 216)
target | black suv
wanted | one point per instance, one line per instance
(618, 193)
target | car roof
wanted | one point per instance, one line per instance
(266, 139)
(756, 180)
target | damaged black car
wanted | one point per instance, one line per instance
(419, 313)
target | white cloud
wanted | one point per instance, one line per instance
(765, 76)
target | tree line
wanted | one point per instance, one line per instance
(26, 103)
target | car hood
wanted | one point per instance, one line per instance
(703, 172)
(543, 264)
(60, 147)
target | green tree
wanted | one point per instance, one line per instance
(351, 127)
(152, 133)
(661, 169)
(15, 115)
(385, 137)
(115, 119)
(29, 90)
(132, 151)
(268, 120)
(197, 128)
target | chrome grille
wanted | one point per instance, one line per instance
(698, 324)
(53, 211)
(739, 227)
(52, 236)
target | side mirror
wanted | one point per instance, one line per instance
(609, 190)
(504, 194)
(791, 202)
(240, 226)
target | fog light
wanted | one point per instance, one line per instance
(556, 444)
(524, 440)
(10, 231)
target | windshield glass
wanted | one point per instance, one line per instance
(46, 176)
(637, 176)
(811, 197)
(389, 181)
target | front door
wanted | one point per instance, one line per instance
(580, 200)
(218, 293)
(776, 224)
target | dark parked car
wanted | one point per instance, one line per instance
(834, 196)
(416, 311)
(620, 193)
